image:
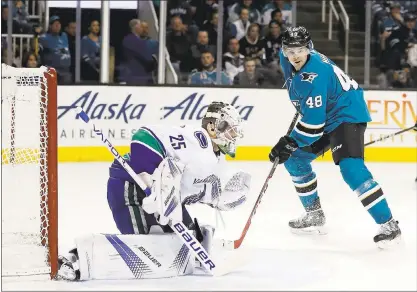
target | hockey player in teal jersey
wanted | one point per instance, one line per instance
(334, 116)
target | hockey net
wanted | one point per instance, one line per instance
(29, 171)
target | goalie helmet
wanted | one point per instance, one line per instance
(224, 124)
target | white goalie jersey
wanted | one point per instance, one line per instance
(205, 175)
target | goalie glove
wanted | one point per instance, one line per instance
(234, 194)
(165, 199)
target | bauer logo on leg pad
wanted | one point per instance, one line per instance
(194, 245)
(149, 256)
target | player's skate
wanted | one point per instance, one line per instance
(389, 234)
(312, 222)
(67, 268)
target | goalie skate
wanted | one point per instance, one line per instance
(310, 223)
(389, 234)
(66, 270)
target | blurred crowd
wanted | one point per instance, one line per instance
(32, 47)
(251, 42)
(394, 33)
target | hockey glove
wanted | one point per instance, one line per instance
(283, 149)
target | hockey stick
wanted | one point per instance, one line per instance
(178, 227)
(391, 135)
(235, 244)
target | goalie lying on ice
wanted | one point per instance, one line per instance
(180, 165)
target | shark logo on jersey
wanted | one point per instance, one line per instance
(308, 77)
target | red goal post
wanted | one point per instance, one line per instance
(29, 171)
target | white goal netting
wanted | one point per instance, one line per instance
(25, 186)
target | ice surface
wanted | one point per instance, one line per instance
(344, 259)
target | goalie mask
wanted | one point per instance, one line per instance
(224, 124)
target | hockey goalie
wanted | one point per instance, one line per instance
(185, 162)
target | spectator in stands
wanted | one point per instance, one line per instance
(412, 62)
(21, 16)
(30, 60)
(54, 50)
(250, 76)
(193, 59)
(242, 24)
(253, 45)
(409, 6)
(410, 35)
(202, 10)
(277, 16)
(144, 33)
(272, 46)
(178, 43)
(90, 53)
(70, 31)
(208, 74)
(138, 61)
(184, 10)
(395, 38)
(390, 25)
(233, 60)
(235, 11)
(210, 26)
(400, 78)
(380, 11)
(269, 8)
(4, 17)
(410, 29)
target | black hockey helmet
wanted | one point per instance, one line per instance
(297, 36)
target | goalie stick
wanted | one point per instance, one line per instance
(178, 227)
(235, 244)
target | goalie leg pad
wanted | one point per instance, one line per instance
(124, 257)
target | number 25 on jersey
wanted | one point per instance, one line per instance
(177, 142)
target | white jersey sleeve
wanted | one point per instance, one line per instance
(206, 178)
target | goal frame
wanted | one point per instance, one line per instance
(52, 166)
(49, 150)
